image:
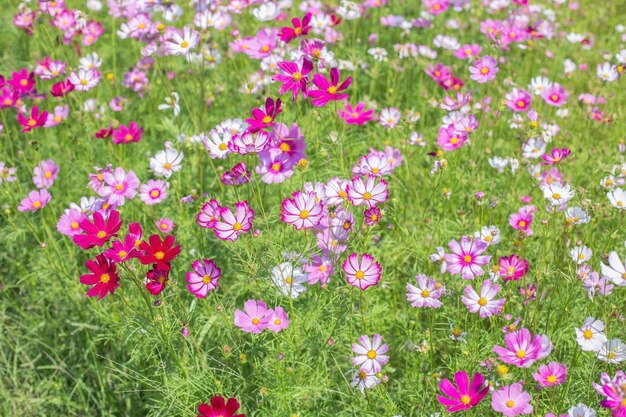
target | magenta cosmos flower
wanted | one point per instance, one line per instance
(103, 277)
(425, 293)
(556, 156)
(466, 257)
(204, 278)
(98, 232)
(521, 350)
(36, 200)
(518, 100)
(484, 69)
(45, 173)
(124, 134)
(300, 28)
(362, 273)
(156, 280)
(465, 395)
(356, 115)
(555, 95)
(370, 354)
(523, 219)
(551, 375)
(485, 303)
(262, 119)
(254, 318)
(209, 214)
(511, 400)
(328, 91)
(303, 210)
(35, 120)
(449, 138)
(294, 77)
(371, 192)
(230, 225)
(220, 408)
(118, 186)
(512, 267)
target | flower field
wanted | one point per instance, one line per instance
(268, 208)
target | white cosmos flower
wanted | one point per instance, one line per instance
(617, 198)
(171, 102)
(166, 162)
(557, 194)
(607, 72)
(580, 254)
(591, 335)
(576, 215)
(266, 12)
(581, 410)
(615, 271)
(288, 279)
(613, 351)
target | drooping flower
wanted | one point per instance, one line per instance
(370, 353)
(362, 273)
(465, 395)
(467, 257)
(204, 278)
(156, 280)
(103, 278)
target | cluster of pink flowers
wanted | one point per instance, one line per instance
(256, 317)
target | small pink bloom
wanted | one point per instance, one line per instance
(465, 395)
(551, 375)
(36, 200)
(204, 278)
(254, 318)
(362, 273)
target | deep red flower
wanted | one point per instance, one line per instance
(300, 28)
(220, 408)
(100, 231)
(159, 252)
(62, 88)
(104, 277)
(104, 133)
(157, 280)
(260, 119)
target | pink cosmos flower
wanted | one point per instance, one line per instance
(465, 395)
(370, 354)
(164, 225)
(22, 82)
(551, 375)
(523, 219)
(118, 186)
(555, 95)
(329, 91)
(278, 320)
(556, 156)
(512, 267)
(511, 400)
(303, 210)
(521, 350)
(362, 273)
(209, 214)
(466, 257)
(518, 100)
(62, 88)
(45, 173)
(33, 121)
(294, 78)
(426, 293)
(371, 192)
(484, 304)
(120, 252)
(372, 216)
(613, 391)
(440, 73)
(230, 226)
(484, 69)
(375, 163)
(124, 134)
(238, 175)
(319, 269)
(263, 119)
(69, 223)
(103, 278)
(356, 115)
(254, 318)
(468, 51)
(36, 200)
(300, 28)
(436, 7)
(204, 277)
(98, 232)
(248, 142)
(450, 138)
(153, 192)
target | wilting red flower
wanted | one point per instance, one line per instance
(103, 277)
(157, 280)
(100, 231)
(104, 133)
(35, 119)
(300, 28)
(220, 408)
(62, 88)
(159, 252)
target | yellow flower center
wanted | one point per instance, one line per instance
(454, 140)
(425, 293)
(83, 82)
(32, 122)
(285, 147)
(611, 355)
(184, 44)
(267, 119)
(556, 196)
(206, 279)
(128, 137)
(154, 193)
(119, 187)
(367, 196)
(510, 403)
(482, 301)
(502, 370)
(322, 268)
(74, 225)
(101, 234)
(467, 258)
(237, 226)
(520, 354)
(104, 278)
(484, 70)
(551, 379)
(520, 103)
(522, 223)
(23, 83)
(167, 166)
(297, 76)
(554, 97)
(465, 399)
(159, 255)
(371, 354)
(36, 204)
(332, 89)
(359, 274)
(255, 321)
(304, 214)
